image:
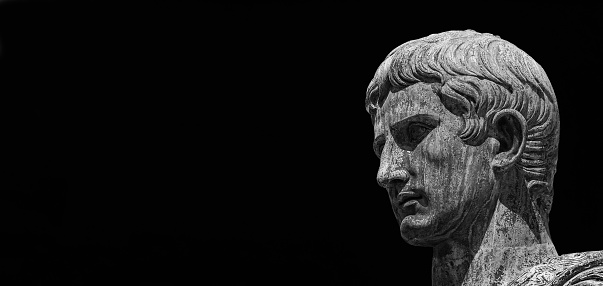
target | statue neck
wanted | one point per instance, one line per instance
(495, 251)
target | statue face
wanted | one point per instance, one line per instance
(437, 184)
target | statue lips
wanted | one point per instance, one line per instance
(407, 201)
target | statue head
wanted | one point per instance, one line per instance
(460, 118)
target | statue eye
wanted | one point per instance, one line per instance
(417, 131)
(378, 145)
(408, 133)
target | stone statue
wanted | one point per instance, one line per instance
(467, 129)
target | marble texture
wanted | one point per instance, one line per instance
(466, 129)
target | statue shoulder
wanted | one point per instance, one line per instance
(576, 269)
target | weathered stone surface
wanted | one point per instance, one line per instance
(467, 129)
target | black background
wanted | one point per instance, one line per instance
(156, 143)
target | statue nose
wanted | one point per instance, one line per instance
(394, 178)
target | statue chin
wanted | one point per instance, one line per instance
(419, 232)
(417, 241)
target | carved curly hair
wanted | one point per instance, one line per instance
(476, 75)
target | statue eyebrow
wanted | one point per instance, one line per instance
(404, 137)
(427, 119)
(424, 118)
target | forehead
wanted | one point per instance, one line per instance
(415, 99)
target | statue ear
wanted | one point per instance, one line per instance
(510, 129)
